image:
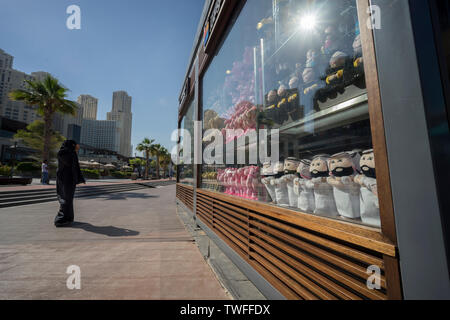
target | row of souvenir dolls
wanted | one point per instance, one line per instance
(297, 98)
(240, 182)
(301, 98)
(325, 74)
(299, 94)
(340, 185)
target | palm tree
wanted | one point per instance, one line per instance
(156, 151)
(49, 97)
(137, 163)
(146, 146)
(165, 159)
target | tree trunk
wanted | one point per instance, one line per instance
(157, 167)
(146, 165)
(47, 135)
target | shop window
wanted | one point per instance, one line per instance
(442, 10)
(186, 167)
(295, 66)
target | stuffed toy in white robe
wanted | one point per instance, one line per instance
(281, 190)
(346, 191)
(290, 170)
(268, 177)
(370, 209)
(306, 201)
(323, 192)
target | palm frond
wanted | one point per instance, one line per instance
(67, 107)
(37, 88)
(21, 95)
(145, 145)
(49, 96)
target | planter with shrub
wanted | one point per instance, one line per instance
(121, 175)
(5, 171)
(90, 173)
(28, 169)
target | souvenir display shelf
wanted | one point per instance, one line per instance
(302, 255)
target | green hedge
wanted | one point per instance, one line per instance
(91, 173)
(121, 174)
(28, 167)
(5, 171)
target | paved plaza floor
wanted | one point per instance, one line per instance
(129, 245)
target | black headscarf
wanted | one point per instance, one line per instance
(68, 146)
(67, 157)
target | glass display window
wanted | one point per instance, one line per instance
(295, 66)
(186, 166)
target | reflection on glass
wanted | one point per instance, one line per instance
(443, 12)
(186, 170)
(296, 66)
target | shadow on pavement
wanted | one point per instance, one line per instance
(123, 196)
(107, 231)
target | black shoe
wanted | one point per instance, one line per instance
(62, 224)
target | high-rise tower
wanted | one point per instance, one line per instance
(90, 106)
(11, 79)
(121, 112)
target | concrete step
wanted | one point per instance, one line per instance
(49, 190)
(35, 198)
(52, 193)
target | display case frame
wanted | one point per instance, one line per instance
(226, 215)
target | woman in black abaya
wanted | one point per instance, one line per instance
(67, 178)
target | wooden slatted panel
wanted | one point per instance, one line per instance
(185, 194)
(301, 262)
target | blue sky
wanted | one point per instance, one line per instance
(140, 46)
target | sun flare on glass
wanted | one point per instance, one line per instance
(308, 22)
